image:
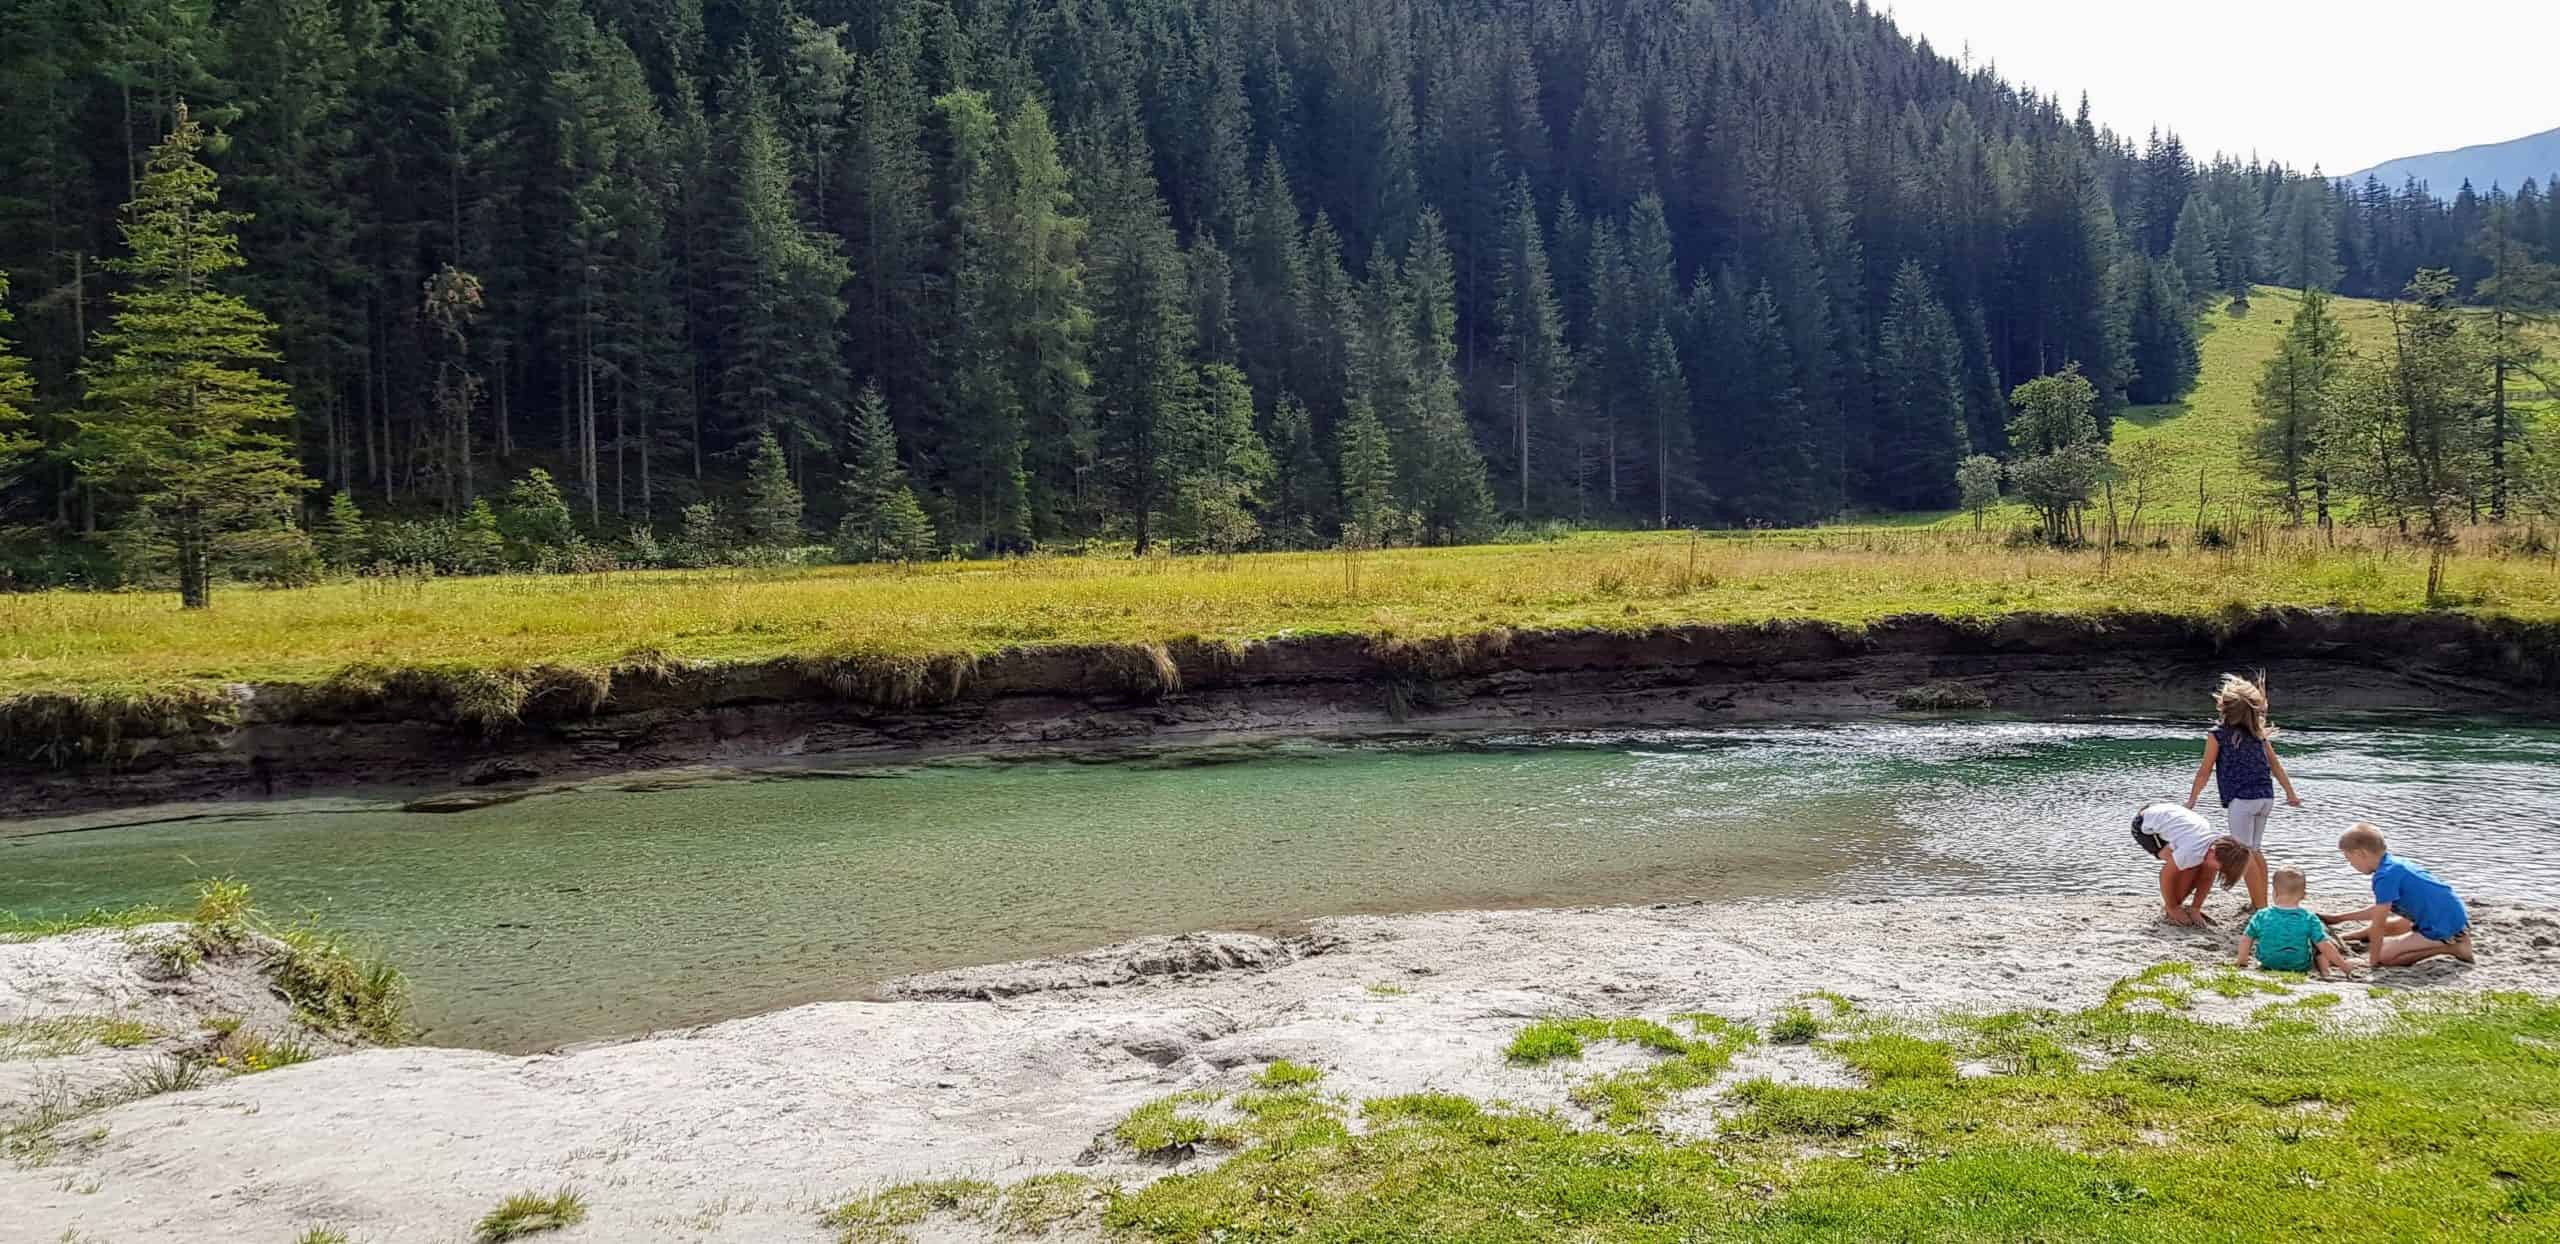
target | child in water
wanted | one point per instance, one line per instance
(2240, 756)
(2286, 938)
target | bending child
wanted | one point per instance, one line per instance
(2414, 916)
(2190, 856)
(2285, 938)
(2240, 755)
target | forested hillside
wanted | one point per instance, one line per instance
(995, 273)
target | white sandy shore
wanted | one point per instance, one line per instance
(744, 1131)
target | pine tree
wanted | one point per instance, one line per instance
(773, 501)
(1371, 517)
(536, 521)
(339, 536)
(1538, 366)
(2165, 355)
(1219, 465)
(2293, 395)
(2306, 241)
(779, 288)
(1302, 490)
(1051, 322)
(185, 421)
(1454, 499)
(1666, 407)
(882, 520)
(2191, 251)
(1142, 383)
(1920, 432)
(17, 398)
(2521, 291)
(478, 545)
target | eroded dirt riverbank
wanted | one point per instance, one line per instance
(415, 730)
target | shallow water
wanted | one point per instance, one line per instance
(611, 910)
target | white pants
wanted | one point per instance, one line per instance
(2248, 819)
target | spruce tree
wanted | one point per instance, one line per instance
(1371, 517)
(1220, 467)
(339, 536)
(1666, 408)
(2165, 354)
(1538, 368)
(882, 520)
(1455, 501)
(778, 289)
(1920, 431)
(1302, 490)
(184, 420)
(2191, 251)
(1142, 382)
(2293, 395)
(773, 501)
(17, 398)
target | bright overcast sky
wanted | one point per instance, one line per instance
(2345, 84)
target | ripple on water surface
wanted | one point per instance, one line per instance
(606, 911)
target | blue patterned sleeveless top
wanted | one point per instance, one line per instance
(2240, 768)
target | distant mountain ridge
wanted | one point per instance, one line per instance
(2505, 164)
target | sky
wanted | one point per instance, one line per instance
(2344, 84)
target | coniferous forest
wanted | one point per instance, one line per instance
(903, 277)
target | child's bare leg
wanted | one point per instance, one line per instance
(2326, 957)
(2408, 948)
(2384, 927)
(2257, 879)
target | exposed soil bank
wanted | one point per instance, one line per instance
(746, 1130)
(396, 728)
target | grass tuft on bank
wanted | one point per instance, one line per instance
(2435, 1123)
(531, 1213)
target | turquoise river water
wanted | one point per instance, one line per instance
(622, 907)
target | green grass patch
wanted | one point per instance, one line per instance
(531, 1213)
(1282, 1074)
(17, 928)
(877, 1218)
(2438, 1123)
(59, 1035)
(1160, 1129)
(1794, 1026)
(321, 1235)
(1384, 990)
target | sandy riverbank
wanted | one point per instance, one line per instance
(747, 1130)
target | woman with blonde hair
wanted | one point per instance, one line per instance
(2240, 756)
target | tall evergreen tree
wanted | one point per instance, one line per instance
(2293, 397)
(1142, 382)
(1538, 363)
(779, 287)
(882, 520)
(2165, 355)
(1920, 434)
(184, 421)
(17, 395)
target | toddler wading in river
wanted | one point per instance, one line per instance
(2240, 756)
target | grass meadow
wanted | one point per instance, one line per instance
(83, 641)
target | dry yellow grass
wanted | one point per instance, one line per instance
(70, 641)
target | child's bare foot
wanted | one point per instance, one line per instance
(2462, 947)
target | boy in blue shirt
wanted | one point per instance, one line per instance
(2285, 938)
(2414, 917)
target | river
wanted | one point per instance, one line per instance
(637, 904)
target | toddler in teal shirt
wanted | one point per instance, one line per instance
(2287, 938)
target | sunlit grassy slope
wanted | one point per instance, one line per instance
(2205, 438)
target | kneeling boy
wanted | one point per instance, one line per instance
(2414, 916)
